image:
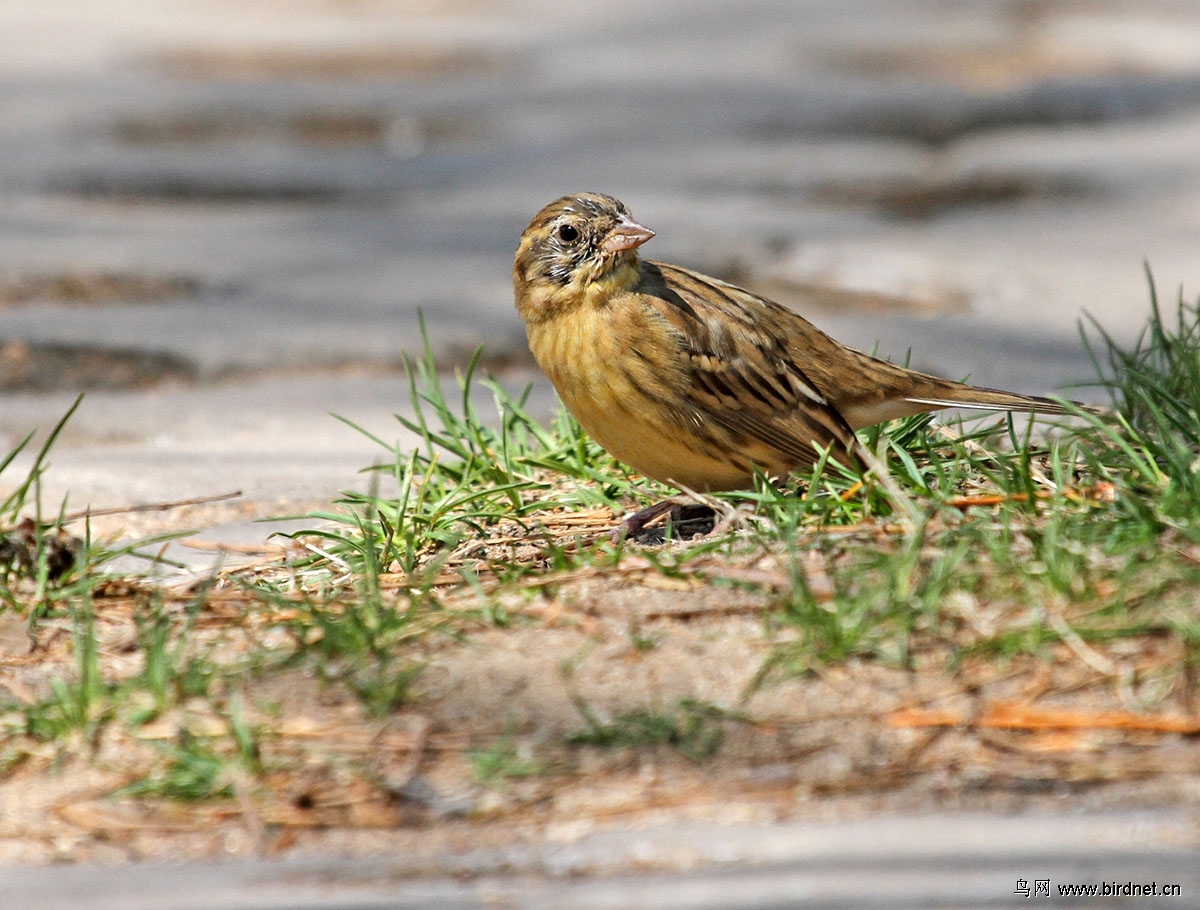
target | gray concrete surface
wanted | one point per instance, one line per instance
(315, 179)
(308, 177)
(960, 861)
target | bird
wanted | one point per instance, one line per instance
(696, 382)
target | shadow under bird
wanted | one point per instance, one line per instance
(696, 382)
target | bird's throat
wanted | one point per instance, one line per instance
(622, 277)
(588, 290)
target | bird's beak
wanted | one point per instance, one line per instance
(627, 234)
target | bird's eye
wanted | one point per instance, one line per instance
(568, 233)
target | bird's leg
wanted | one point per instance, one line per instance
(635, 522)
(684, 509)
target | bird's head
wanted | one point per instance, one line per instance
(579, 244)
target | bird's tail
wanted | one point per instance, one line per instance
(885, 391)
(954, 395)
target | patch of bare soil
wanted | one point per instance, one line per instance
(611, 649)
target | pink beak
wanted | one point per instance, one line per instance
(627, 234)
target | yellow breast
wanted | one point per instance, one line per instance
(619, 372)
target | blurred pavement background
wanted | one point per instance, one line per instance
(221, 219)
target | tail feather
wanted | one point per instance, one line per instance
(996, 400)
(946, 394)
(884, 391)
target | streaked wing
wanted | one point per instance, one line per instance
(857, 389)
(743, 376)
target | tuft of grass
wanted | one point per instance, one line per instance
(503, 760)
(175, 668)
(468, 475)
(31, 548)
(1152, 447)
(1077, 541)
(197, 768)
(81, 703)
(193, 771)
(364, 646)
(694, 729)
(42, 563)
(16, 501)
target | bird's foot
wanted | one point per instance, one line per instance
(680, 517)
